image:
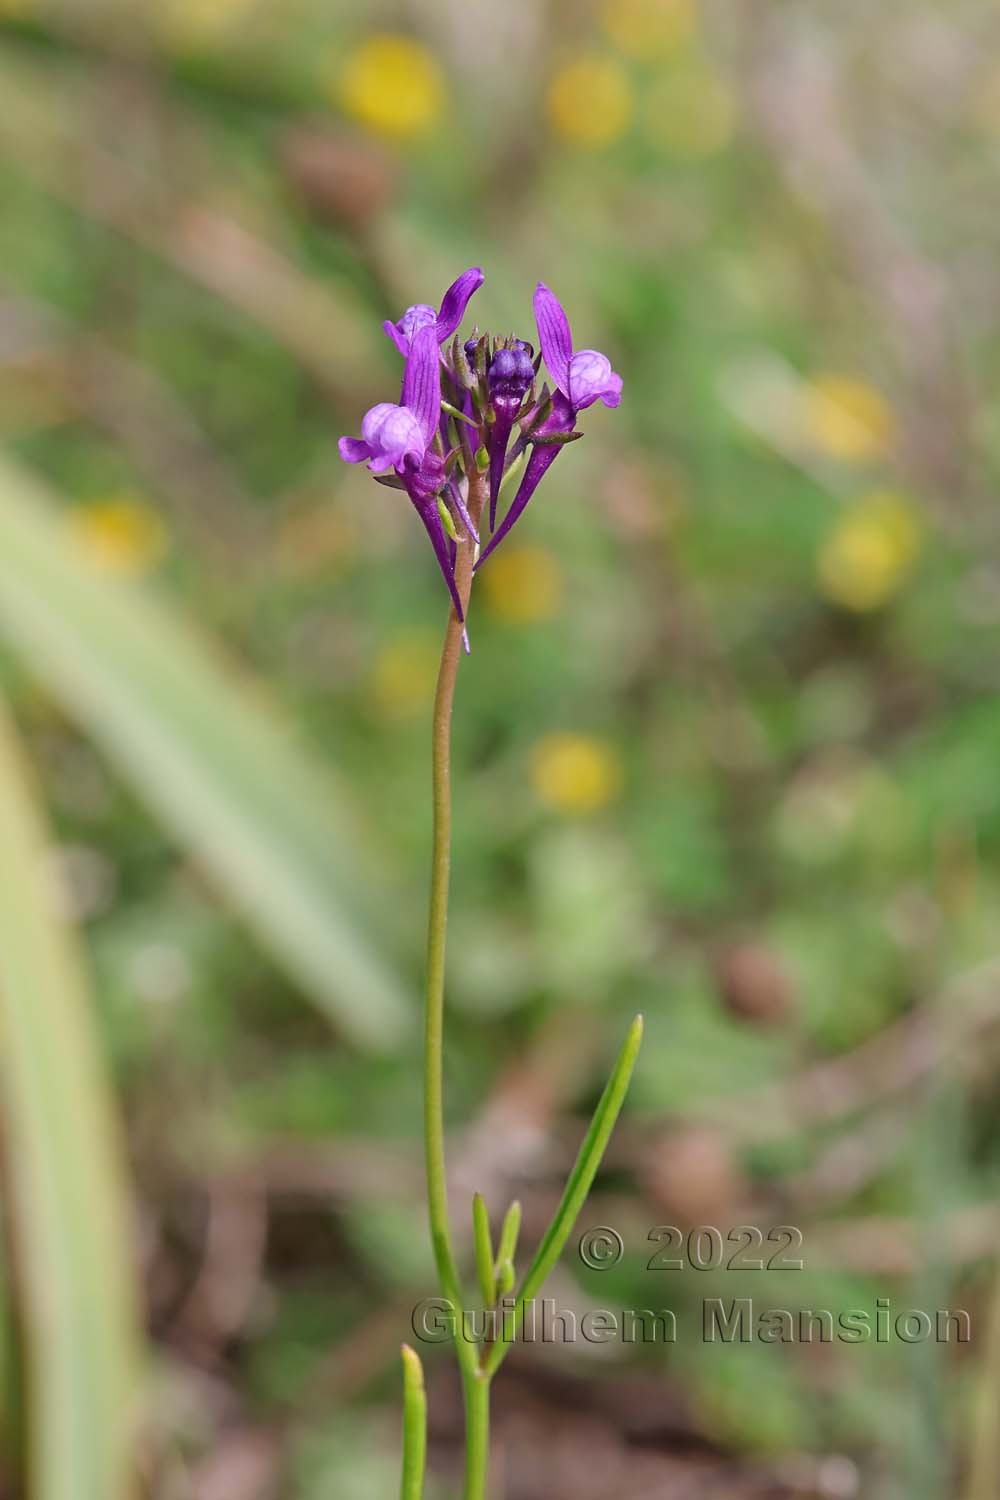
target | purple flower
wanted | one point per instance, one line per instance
(401, 439)
(445, 322)
(469, 409)
(581, 379)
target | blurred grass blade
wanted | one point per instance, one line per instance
(484, 1250)
(414, 1427)
(205, 753)
(578, 1185)
(983, 1468)
(71, 1226)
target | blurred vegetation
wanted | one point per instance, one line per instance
(728, 738)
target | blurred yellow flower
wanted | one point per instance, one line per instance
(869, 552)
(121, 535)
(575, 773)
(647, 29)
(193, 22)
(316, 539)
(690, 113)
(984, 101)
(392, 85)
(404, 674)
(847, 418)
(522, 584)
(590, 101)
(15, 8)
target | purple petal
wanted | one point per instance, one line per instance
(422, 382)
(554, 335)
(427, 510)
(394, 437)
(539, 463)
(421, 315)
(399, 338)
(591, 379)
(354, 450)
(456, 300)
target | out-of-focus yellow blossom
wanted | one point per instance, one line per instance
(405, 671)
(522, 585)
(318, 539)
(869, 552)
(13, 9)
(575, 773)
(392, 85)
(984, 101)
(690, 113)
(191, 23)
(847, 418)
(590, 101)
(121, 535)
(649, 29)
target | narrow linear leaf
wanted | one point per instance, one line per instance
(414, 1427)
(509, 1233)
(484, 1250)
(208, 755)
(70, 1217)
(506, 1277)
(577, 1187)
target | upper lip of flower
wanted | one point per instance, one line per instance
(445, 321)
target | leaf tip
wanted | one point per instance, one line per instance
(413, 1370)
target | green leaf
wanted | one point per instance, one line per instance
(577, 1187)
(414, 1427)
(70, 1212)
(209, 755)
(509, 1232)
(484, 1250)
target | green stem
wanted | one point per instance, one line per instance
(475, 1388)
(477, 1436)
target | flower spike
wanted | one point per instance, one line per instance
(470, 416)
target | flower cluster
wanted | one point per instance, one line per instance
(472, 413)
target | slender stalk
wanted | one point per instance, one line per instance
(475, 1385)
(477, 1436)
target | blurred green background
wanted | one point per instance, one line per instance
(727, 743)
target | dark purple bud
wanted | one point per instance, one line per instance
(511, 373)
(503, 366)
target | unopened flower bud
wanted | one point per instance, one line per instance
(511, 373)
